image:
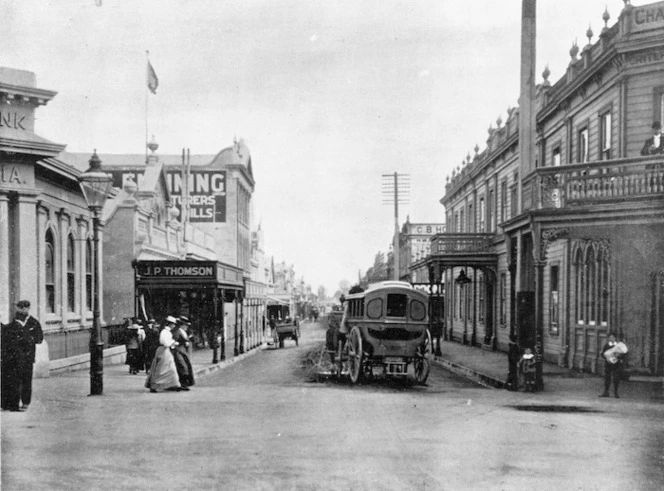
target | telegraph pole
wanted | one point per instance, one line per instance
(396, 189)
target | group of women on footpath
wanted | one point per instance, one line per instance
(170, 366)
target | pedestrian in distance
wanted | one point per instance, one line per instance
(273, 326)
(614, 353)
(527, 366)
(181, 355)
(163, 375)
(655, 144)
(513, 356)
(151, 343)
(135, 339)
(18, 357)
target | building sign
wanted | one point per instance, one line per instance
(177, 270)
(426, 228)
(207, 194)
(16, 119)
(9, 175)
(648, 17)
(646, 58)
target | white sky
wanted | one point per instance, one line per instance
(328, 95)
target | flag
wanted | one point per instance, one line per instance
(153, 81)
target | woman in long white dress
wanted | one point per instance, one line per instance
(163, 373)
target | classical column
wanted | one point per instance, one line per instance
(539, 323)
(5, 306)
(24, 250)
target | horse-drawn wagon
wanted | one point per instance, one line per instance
(384, 331)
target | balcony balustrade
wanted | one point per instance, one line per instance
(610, 181)
(461, 243)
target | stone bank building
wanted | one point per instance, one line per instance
(46, 250)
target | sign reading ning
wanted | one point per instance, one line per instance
(207, 194)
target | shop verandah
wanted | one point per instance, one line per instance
(208, 293)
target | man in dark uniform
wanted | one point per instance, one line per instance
(18, 357)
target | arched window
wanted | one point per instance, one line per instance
(88, 274)
(591, 292)
(579, 287)
(49, 255)
(71, 274)
(604, 288)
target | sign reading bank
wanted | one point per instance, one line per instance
(207, 194)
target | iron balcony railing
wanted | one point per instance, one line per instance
(610, 181)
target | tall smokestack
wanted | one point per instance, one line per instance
(527, 94)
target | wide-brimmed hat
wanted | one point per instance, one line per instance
(134, 326)
(172, 320)
(184, 320)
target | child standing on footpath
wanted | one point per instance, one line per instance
(527, 365)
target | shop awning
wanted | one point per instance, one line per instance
(278, 301)
(187, 274)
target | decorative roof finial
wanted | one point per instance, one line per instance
(574, 50)
(153, 145)
(477, 149)
(589, 33)
(605, 17)
(499, 122)
(545, 76)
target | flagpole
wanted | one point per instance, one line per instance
(147, 80)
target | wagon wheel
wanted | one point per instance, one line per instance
(355, 356)
(339, 359)
(422, 365)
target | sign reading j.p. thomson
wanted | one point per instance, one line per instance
(179, 270)
(207, 194)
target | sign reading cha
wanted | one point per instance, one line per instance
(648, 17)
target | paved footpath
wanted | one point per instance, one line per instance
(489, 368)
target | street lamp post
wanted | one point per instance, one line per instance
(95, 185)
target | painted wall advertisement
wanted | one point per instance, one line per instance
(206, 190)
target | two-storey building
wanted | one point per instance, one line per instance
(565, 244)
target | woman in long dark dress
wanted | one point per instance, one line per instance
(513, 356)
(181, 355)
(150, 344)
